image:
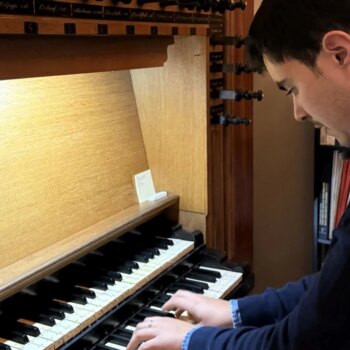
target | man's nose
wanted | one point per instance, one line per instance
(299, 113)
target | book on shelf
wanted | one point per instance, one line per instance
(323, 227)
(343, 191)
(337, 166)
(334, 196)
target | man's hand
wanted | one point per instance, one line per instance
(159, 333)
(202, 309)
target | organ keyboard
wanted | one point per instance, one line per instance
(95, 301)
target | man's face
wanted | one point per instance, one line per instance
(321, 95)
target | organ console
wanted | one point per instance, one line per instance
(112, 88)
(91, 301)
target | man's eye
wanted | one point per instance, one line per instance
(289, 92)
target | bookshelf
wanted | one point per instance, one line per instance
(331, 193)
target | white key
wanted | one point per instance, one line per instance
(18, 346)
(211, 269)
(11, 344)
(47, 330)
(79, 315)
(87, 306)
(132, 279)
(115, 346)
(39, 341)
(159, 309)
(64, 326)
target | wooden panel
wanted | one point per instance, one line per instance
(216, 192)
(69, 147)
(35, 266)
(35, 56)
(172, 106)
(193, 221)
(239, 150)
(216, 217)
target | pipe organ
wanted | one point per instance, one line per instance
(93, 92)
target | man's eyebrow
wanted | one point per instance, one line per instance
(282, 84)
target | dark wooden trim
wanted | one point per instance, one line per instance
(238, 151)
(23, 57)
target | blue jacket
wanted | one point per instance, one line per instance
(312, 314)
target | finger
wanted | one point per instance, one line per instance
(176, 298)
(179, 312)
(146, 323)
(147, 329)
(141, 335)
(182, 300)
(154, 320)
(152, 344)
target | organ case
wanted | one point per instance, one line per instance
(71, 142)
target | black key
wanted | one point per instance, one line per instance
(159, 312)
(99, 285)
(182, 268)
(124, 269)
(132, 264)
(161, 245)
(163, 298)
(165, 240)
(137, 318)
(141, 258)
(114, 274)
(45, 319)
(84, 292)
(78, 299)
(201, 276)
(67, 308)
(155, 251)
(195, 283)
(55, 313)
(132, 323)
(28, 329)
(108, 280)
(4, 347)
(15, 336)
(119, 341)
(122, 334)
(157, 303)
(207, 272)
(180, 285)
(148, 253)
(39, 317)
(150, 313)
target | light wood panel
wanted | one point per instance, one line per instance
(172, 106)
(193, 221)
(69, 147)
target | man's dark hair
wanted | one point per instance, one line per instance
(293, 29)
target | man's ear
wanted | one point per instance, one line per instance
(337, 44)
